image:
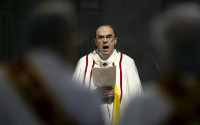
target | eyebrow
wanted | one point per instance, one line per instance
(109, 35)
(106, 35)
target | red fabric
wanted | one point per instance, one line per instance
(113, 64)
(120, 67)
(91, 73)
(108, 111)
(85, 70)
(111, 26)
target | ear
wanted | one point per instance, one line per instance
(116, 40)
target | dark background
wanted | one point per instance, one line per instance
(129, 17)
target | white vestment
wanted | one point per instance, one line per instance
(127, 78)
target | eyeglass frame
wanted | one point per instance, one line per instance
(109, 36)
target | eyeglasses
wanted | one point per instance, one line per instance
(108, 37)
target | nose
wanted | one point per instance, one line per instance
(105, 40)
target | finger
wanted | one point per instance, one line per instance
(107, 91)
(108, 94)
(106, 88)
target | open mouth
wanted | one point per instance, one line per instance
(105, 48)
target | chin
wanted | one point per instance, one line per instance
(106, 53)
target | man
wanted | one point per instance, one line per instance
(37, 88)
(127, 79)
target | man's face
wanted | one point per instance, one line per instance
(105, 39)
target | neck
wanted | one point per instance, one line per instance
(103, 56)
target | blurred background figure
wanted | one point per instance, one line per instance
(173, 99)
(36, 88)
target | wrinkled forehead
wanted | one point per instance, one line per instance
(104, 30)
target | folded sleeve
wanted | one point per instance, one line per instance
(79, 72)
(133, 80)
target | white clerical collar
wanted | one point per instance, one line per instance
(99, 61)
(103, 56)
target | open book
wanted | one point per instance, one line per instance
(104, 76)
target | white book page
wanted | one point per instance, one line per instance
(104, 76)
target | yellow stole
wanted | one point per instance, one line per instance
(116, 107)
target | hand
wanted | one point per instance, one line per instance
(106, 91)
